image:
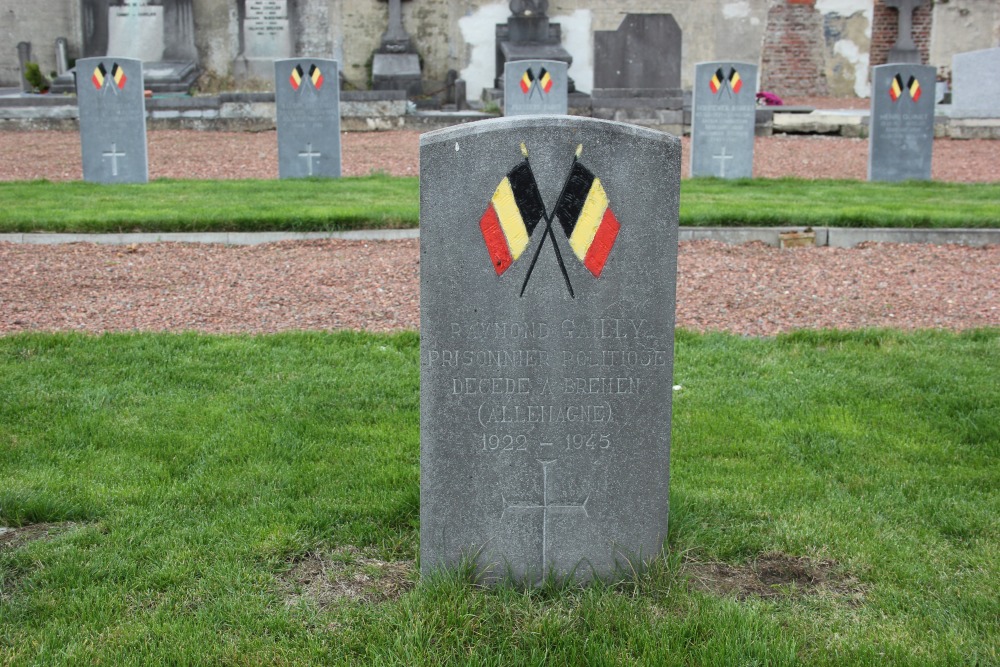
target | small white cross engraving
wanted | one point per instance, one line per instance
(546, 507)
(114, 155)
(722, 157)
(309, 155)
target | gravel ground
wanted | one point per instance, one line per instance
(748, 289)
(187, 154)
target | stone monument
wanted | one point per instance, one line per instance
(265, 36)
(23, 58)
(637, 70)
(529, 35)
(905, 49)
(112, 120)
(975, 95)
(535, 87)
(396, 64)
(307, 98)
(901, 137)
(723, 116)
(547, 284)
(160, 33)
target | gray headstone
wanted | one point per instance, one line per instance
(23, 58)
(307, 96)
(535, 87)
(545, 381)
(902, 123)
(644, 52)
(975, 88)
(723, 115)
(110, 95)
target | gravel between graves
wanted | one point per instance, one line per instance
(748, 289)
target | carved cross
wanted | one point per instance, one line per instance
(309, 154)
(904, 37)
(722, 158)
(114, 155)
(396, 32)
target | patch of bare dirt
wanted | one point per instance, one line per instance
(775, 575)
(14, 538)
(348, 574)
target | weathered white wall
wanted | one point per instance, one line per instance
(848, 29)
(40, 22)
(963, 25)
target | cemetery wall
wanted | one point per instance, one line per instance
(963, 25)
(40, 22)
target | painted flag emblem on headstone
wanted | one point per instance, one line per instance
(735, 82)
(545, 80)
(99, 76)
(296, 77)
(511, 216)
(914, 87)
(316, 76)
(527, 81)
(719, 81)
(587, 218)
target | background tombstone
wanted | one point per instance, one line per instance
(160, 33)
(112, 120)
(265, 36)
(23, 58)
(723, 116)
(307, 97)
(546, 352)
(528, 34)
(535, 87)
(396, 64)
(901, 137)
(975, 94)
(637, 70)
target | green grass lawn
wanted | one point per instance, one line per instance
(384, 201)
(199, 470)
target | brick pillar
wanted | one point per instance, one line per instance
(885, 24)
(792, 60)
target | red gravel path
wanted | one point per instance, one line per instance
(749, 289)
(187, 154)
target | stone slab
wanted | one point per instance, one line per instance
(901, 135)
(723, 113)
(308, 117)
(546, 384)
(110, 96)
(975, 86)
(535, 87)
(644, 52)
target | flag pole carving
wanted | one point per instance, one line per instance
(582, 208)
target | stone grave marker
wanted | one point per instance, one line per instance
(265, 36)
(723, 115)
(975, 94)
(548, 268)
(901, 136)
(307, 97)
(535, 87)
(112, 120)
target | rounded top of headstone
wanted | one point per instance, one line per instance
(529, 7)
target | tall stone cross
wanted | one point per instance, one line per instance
(904, 37)
(395, 39)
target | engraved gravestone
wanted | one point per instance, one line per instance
(901, 137)
(112, 120)
(307, 97)
(548, 265)
(535, 87)
(723, 115)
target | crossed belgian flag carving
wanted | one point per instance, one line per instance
(100, 76)
(912, 87)
(529, 82)
(719, 80)
(298, 76)
(516, 209)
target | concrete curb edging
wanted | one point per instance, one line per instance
(835, 237)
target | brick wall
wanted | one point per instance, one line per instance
(885, 25)
(792, 59)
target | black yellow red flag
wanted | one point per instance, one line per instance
(914, 87)
(587, 218)
(896, 88)
(735, 82)
(118, 76)
(715, 83)
(98, 76)
(296, 77)
(545, 80)
(511, 216)
(316, 76)
(527, 79)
